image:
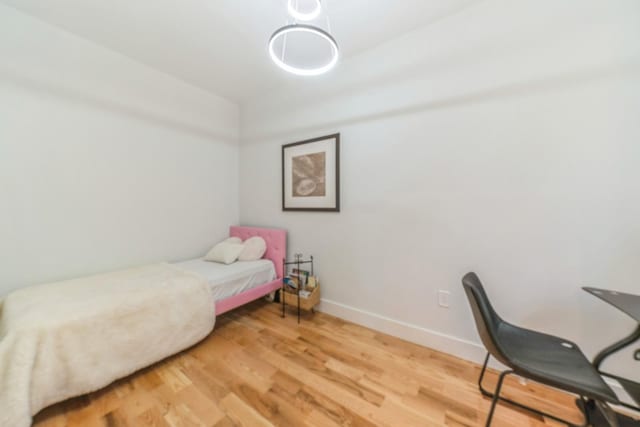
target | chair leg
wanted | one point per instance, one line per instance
(496, 397)
(584, 410)
(608, 414)
(484, 369)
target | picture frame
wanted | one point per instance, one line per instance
(311, 175)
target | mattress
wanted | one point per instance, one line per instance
(228, 280)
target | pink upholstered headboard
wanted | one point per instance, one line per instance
(276, 239)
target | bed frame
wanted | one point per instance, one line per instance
(276, 251)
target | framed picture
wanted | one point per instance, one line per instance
(311, 175)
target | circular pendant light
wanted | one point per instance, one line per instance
(302, 28)
(294, 12)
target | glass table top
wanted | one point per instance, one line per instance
(628, 303)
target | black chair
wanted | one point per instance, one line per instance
(540, 357)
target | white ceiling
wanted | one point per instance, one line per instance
(220, 45)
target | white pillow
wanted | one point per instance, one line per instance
(254, 249)
(233, 240)
(224, 252)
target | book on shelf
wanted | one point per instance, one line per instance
(290, 282)
(301, 275)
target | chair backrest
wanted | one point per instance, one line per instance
(486, 318)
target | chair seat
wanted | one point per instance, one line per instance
(552, 361)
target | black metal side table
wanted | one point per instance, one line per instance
(629, 304)
(299, 262)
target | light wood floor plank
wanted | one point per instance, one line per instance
(257, 369)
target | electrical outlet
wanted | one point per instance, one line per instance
(443, 298)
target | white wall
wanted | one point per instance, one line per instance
(504, 140)
(104, 163)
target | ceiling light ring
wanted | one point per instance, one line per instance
(293, 11)
(308, 29)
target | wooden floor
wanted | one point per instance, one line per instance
(257, 369)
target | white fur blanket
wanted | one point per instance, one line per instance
(69, 338)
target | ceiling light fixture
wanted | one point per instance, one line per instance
(293, 11)
(302, 28)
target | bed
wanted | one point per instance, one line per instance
(242, 282)
(69, 338)
(276, 252)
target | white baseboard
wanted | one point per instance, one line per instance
(450, 344)
(445, 343)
